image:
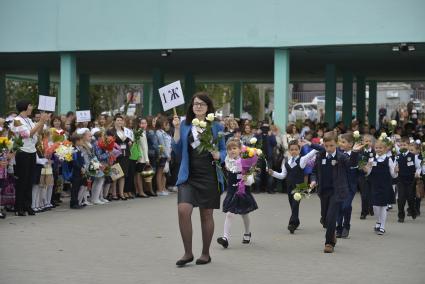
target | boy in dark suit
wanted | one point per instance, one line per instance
(77, 170)
(408, 168)
(330, 174)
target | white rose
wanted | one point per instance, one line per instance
(259, 152)
(210, 117)
(393, 122)
(298, 196)
(195, 122)
(249, 180)
(202, 124)
(384, 135)
(356, 134)
(253, 140)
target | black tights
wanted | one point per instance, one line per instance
(185, 223)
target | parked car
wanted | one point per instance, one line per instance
(303, 111)
(320, 101)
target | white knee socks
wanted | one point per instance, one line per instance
(381, 215)
(49, 195)
(245, 219)
(35, 197)
(81, 194)
(228, 224)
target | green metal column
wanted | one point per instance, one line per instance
(147, 100)
(347, 98)
(237, 99)
(281, 87)
(3, 100)
(157, 82)
(360, 99)
(189, 87)
(330, 95)
(84, 92)
(372, 103)
(68, 83)
(44, 82)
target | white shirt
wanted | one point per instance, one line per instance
(26, 127)
(391, 165)
(292, 163)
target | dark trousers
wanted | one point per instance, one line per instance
(129, 186)
(295, 209)
(406, 193)
(365, 193)
(344, 218)
(77, 181)
(330, 208)
(418, 205)
(24, 171)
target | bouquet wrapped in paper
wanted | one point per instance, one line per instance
(95, 168)
(246, 163)
(64, 151)
(58, 135)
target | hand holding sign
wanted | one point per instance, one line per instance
(171, 95)
(46, 103)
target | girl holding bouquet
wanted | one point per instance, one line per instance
(200, 181)
(102, 158)
(237, 202)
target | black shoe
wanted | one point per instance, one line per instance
(409, 214)
(291, 228)
(338, 234)
(202, 262)
(20, 213)
(414, 216)
(362, 217)
(223, 241)
(183, 262)
(151, 194)
(2, 215)
(345, 233)
(401, 220)
(30, 212)
(371, 213)
(246, 238)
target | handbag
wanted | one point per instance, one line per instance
(116, 172)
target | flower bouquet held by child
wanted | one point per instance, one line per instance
(240, 162)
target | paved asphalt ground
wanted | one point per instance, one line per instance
(138, 241)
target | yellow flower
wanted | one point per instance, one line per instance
(251, 153)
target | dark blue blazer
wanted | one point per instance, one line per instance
(339, 174)
(182, 152)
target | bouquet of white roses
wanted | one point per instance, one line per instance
(301, 191)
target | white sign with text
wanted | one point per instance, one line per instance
(171, 95)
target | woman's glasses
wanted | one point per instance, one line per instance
(199, 104)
